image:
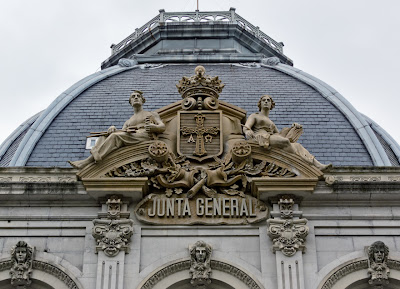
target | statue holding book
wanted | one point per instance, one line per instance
(260, 128)
(142, 126)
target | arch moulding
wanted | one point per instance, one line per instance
(47, 272)
(178, 270)
(354, 271)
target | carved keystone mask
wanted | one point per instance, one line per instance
(286, 204)
(114, 207)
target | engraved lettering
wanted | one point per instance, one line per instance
(217, 207)
(243, 208)
(153, 213)
(225, 207)
(209, 207)
(170, 207)
(186, 208)
(200, 207)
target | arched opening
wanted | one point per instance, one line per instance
(36, 284)
(185, 284)
(363, 284)
(175, 275)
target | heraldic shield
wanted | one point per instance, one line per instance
(200, 134)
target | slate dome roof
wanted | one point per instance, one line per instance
(156, 56)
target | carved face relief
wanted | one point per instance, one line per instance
(114, 207)
(114, 210)
(136, 99)
(286, 207)
(201, 254)
(20, 254)
(265, 102)
(379, 254)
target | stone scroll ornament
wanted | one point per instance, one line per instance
(175, 175)
(113, 233)
(200, 260)
(287, 234)
(378, 270)
(21, 268)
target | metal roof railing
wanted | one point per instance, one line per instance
(196, 17)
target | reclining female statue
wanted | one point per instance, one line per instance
(261, 129)
(142, 126)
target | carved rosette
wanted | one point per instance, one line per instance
(158, 150)
(288, 236)
(241, 151)
(21, 265)
(378, 270)
(200, 268)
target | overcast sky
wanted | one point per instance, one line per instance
(48, 45)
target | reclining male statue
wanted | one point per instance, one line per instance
(142, 126)
(261, 129)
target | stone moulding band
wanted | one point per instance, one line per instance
(56, 272)
(16, 133)
(343, 271)
(215, 265)
(165, 272)
(48, 268)
(353, 267)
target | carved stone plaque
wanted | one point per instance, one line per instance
(199, 134)
(222, 209)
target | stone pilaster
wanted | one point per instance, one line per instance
(288, 233)
(112, 232)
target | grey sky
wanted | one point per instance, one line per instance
(48, 45)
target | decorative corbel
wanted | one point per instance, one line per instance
(287, 234)
(113, 233)
(200, 268)
(378, 270)
(21, 265)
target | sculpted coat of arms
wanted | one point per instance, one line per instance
(200, 156)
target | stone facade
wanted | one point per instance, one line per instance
(205, 197)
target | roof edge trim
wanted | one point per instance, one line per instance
(16, 133)
(385, 135)
(371, 142)
(35, 132)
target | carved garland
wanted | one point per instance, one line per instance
(185, 265)
(45, 267)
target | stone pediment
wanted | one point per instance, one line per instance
(197, 161)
